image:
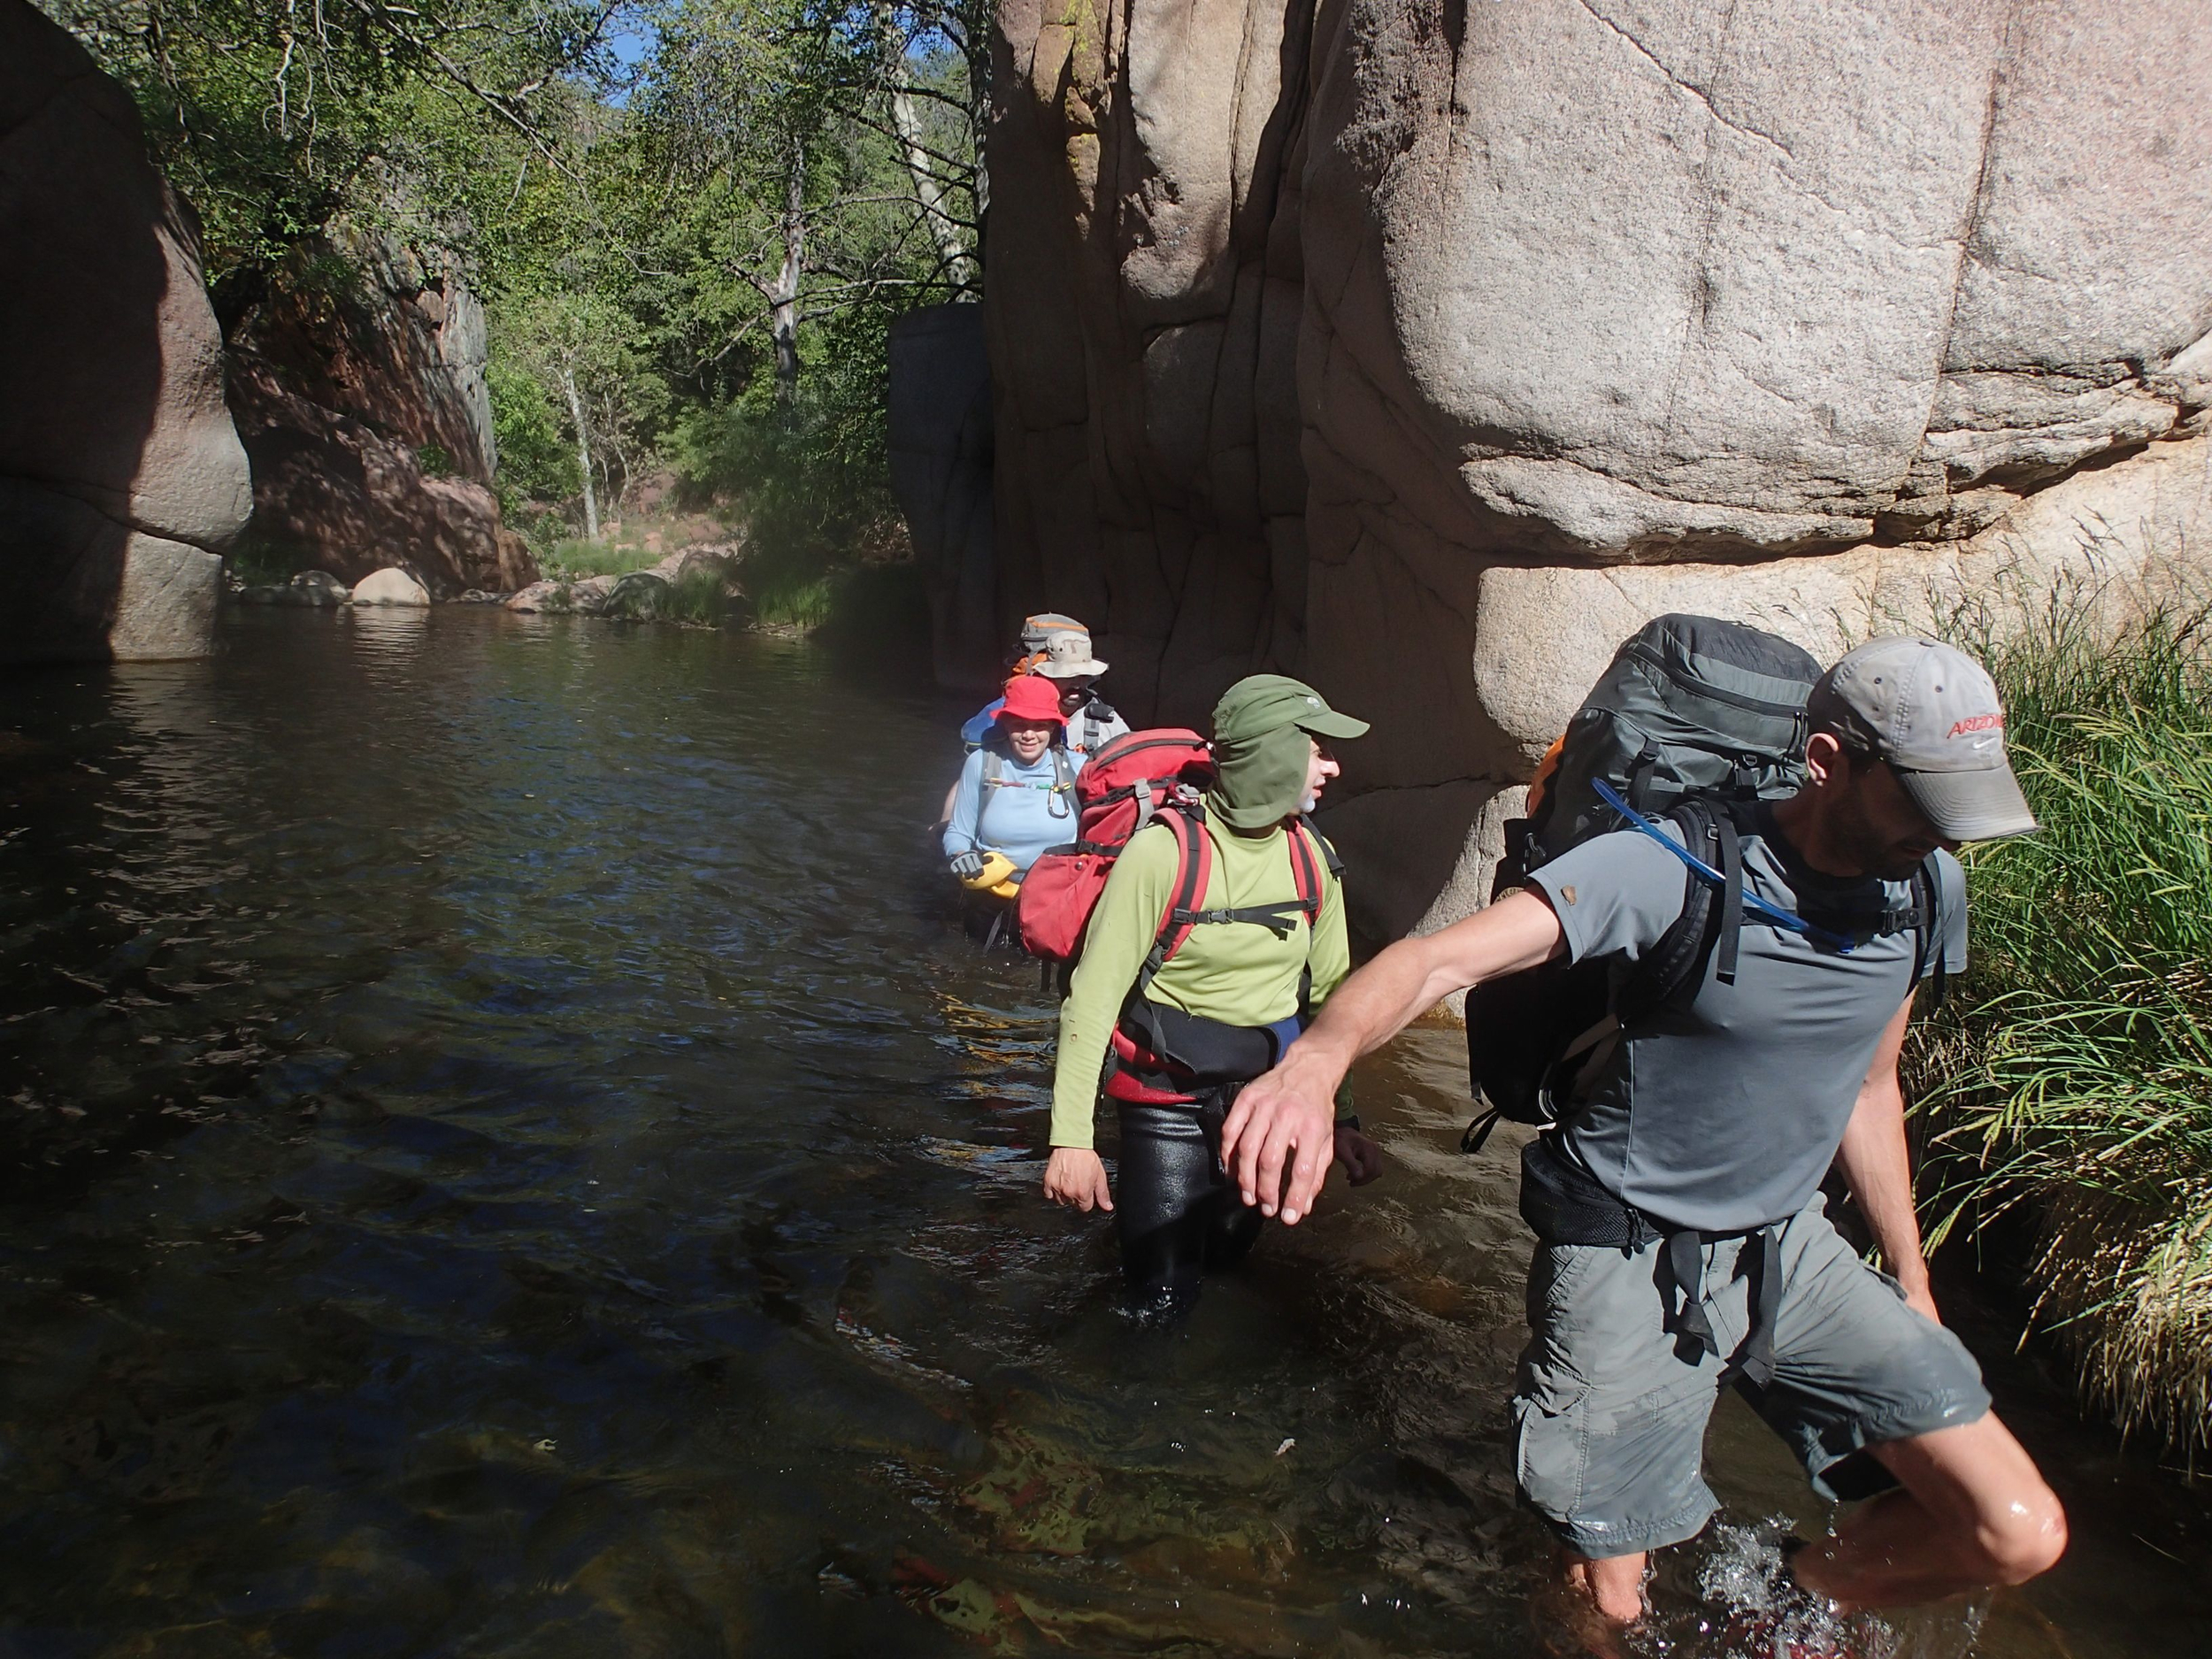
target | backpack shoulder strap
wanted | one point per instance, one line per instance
(994, 770)
(1927, 924)
(1673, 970)
(1194, 867)
(1305, 870)
(1730, 897)
(1330, 858)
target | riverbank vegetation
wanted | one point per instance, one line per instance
(2067, 1085)
(692, 222)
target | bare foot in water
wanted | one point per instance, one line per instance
(1569, 1623)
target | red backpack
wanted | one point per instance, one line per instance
(1133, 780)
(1116, 794)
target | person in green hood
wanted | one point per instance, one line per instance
(1265, 945)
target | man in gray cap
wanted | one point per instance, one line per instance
(1703, 1140)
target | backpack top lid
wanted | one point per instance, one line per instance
(1157, 754)
(1688, 705)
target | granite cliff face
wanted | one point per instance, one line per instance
(344, 389)
(122, 478)
(1427, 348)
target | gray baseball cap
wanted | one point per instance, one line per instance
(1931, 712)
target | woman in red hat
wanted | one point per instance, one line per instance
(1016, 793)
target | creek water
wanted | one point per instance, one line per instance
(509, 1154)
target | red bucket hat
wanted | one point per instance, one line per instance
(1032, 698)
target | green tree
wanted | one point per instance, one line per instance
(275, 117)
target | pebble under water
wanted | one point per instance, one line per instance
(509, 1154)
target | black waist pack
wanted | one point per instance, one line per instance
(1562, 1202)
(1200, 1050)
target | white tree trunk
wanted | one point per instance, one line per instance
(929, 188)
(784, 301)
(583, 452)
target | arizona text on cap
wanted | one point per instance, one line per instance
(1931, 712)
(1068, 657)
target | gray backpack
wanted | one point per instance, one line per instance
(1691, 705)
(1695, 721)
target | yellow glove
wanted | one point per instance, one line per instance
(997, 876)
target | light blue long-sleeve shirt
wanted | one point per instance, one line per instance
(1020, 815)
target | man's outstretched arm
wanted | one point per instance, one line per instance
(1287, 1118)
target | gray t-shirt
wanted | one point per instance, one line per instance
(1727, 1116)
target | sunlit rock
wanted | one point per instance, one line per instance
(390, 587)
(1427, 349)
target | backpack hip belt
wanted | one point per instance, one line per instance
(1162, 1055)
(1563, 1204)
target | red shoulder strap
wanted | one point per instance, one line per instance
(1305, 872)
(1194, 867)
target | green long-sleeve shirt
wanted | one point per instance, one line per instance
(1237, 973)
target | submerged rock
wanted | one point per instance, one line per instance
(541, 596)
(586, 598)
(318, 589)
(390, 587)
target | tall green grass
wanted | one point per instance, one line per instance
(573, 557)
(2071, 1076)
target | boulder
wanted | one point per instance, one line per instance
(2123, 534)
(122, 478)
(1427, 348)
(585, 598)
(718, 562)
(1638, 281)
(331, 489)
(639, 596)
(548, 596)
(390, 587)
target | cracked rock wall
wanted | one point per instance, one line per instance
(1809, 311)
(122, 478)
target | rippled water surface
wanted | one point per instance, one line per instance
(506, 1155)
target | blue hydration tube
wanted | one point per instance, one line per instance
(1774, 913)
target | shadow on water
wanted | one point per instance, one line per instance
(508, 1157)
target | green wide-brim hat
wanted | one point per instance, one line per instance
(1261, 726)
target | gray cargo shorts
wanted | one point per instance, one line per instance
(1609, 1415)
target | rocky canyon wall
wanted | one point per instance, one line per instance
(121, 477)
(357, 379)
(1427, 348)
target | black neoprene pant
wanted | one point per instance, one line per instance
(1178, 1215)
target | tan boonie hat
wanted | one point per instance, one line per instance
(1931, 712)
(1068, 657)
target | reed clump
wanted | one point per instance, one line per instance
(2070, 1076)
